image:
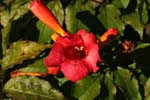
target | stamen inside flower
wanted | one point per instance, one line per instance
(75, 52)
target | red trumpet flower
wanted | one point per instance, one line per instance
(75, 55)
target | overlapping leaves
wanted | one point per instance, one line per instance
(19, 28)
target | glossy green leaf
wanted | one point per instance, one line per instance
(121, 3)
(110, 17)
(111, 87)
(20, 51)
(88, 88)
(127, 84)
(45, 31)
(78, 15)
(37, 66)
(134, 20)
(147, 90)
(31, 88)
(16, 10)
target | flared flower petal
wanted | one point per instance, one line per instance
(54, 58)
(87, 38)
(93, 57)
(74, 70)
(46, 16)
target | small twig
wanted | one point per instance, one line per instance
(19, 73)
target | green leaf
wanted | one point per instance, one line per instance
(143, 79)
(111, 87)
(20, 51)
(109, 15)
(87, 88)
(142, 46)
(121, 3)
(148, 2)
(144, 13)
(31, 88)
(134, 20)
(127, 84)
(125, 3)
(45, 31)
(16, 10)
(5, 37)
(37, 66)
(147, 90)
(77, 13)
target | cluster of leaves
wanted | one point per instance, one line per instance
(25, 41)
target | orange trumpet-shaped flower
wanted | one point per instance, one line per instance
(108, 36)
(46, 16)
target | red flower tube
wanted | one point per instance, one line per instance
(46, 16)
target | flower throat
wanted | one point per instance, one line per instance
(75, 52)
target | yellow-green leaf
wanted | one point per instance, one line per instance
(147, 90)
(20, 51)
(31, 88)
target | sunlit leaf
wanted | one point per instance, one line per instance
(128, 84)
(147, 90)
(134, 20)
(125, 3)
(78, 15)
(110, 17)
(121, 3)
(88, 88)
(31, 88)
(45, 31)
(20, 51)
